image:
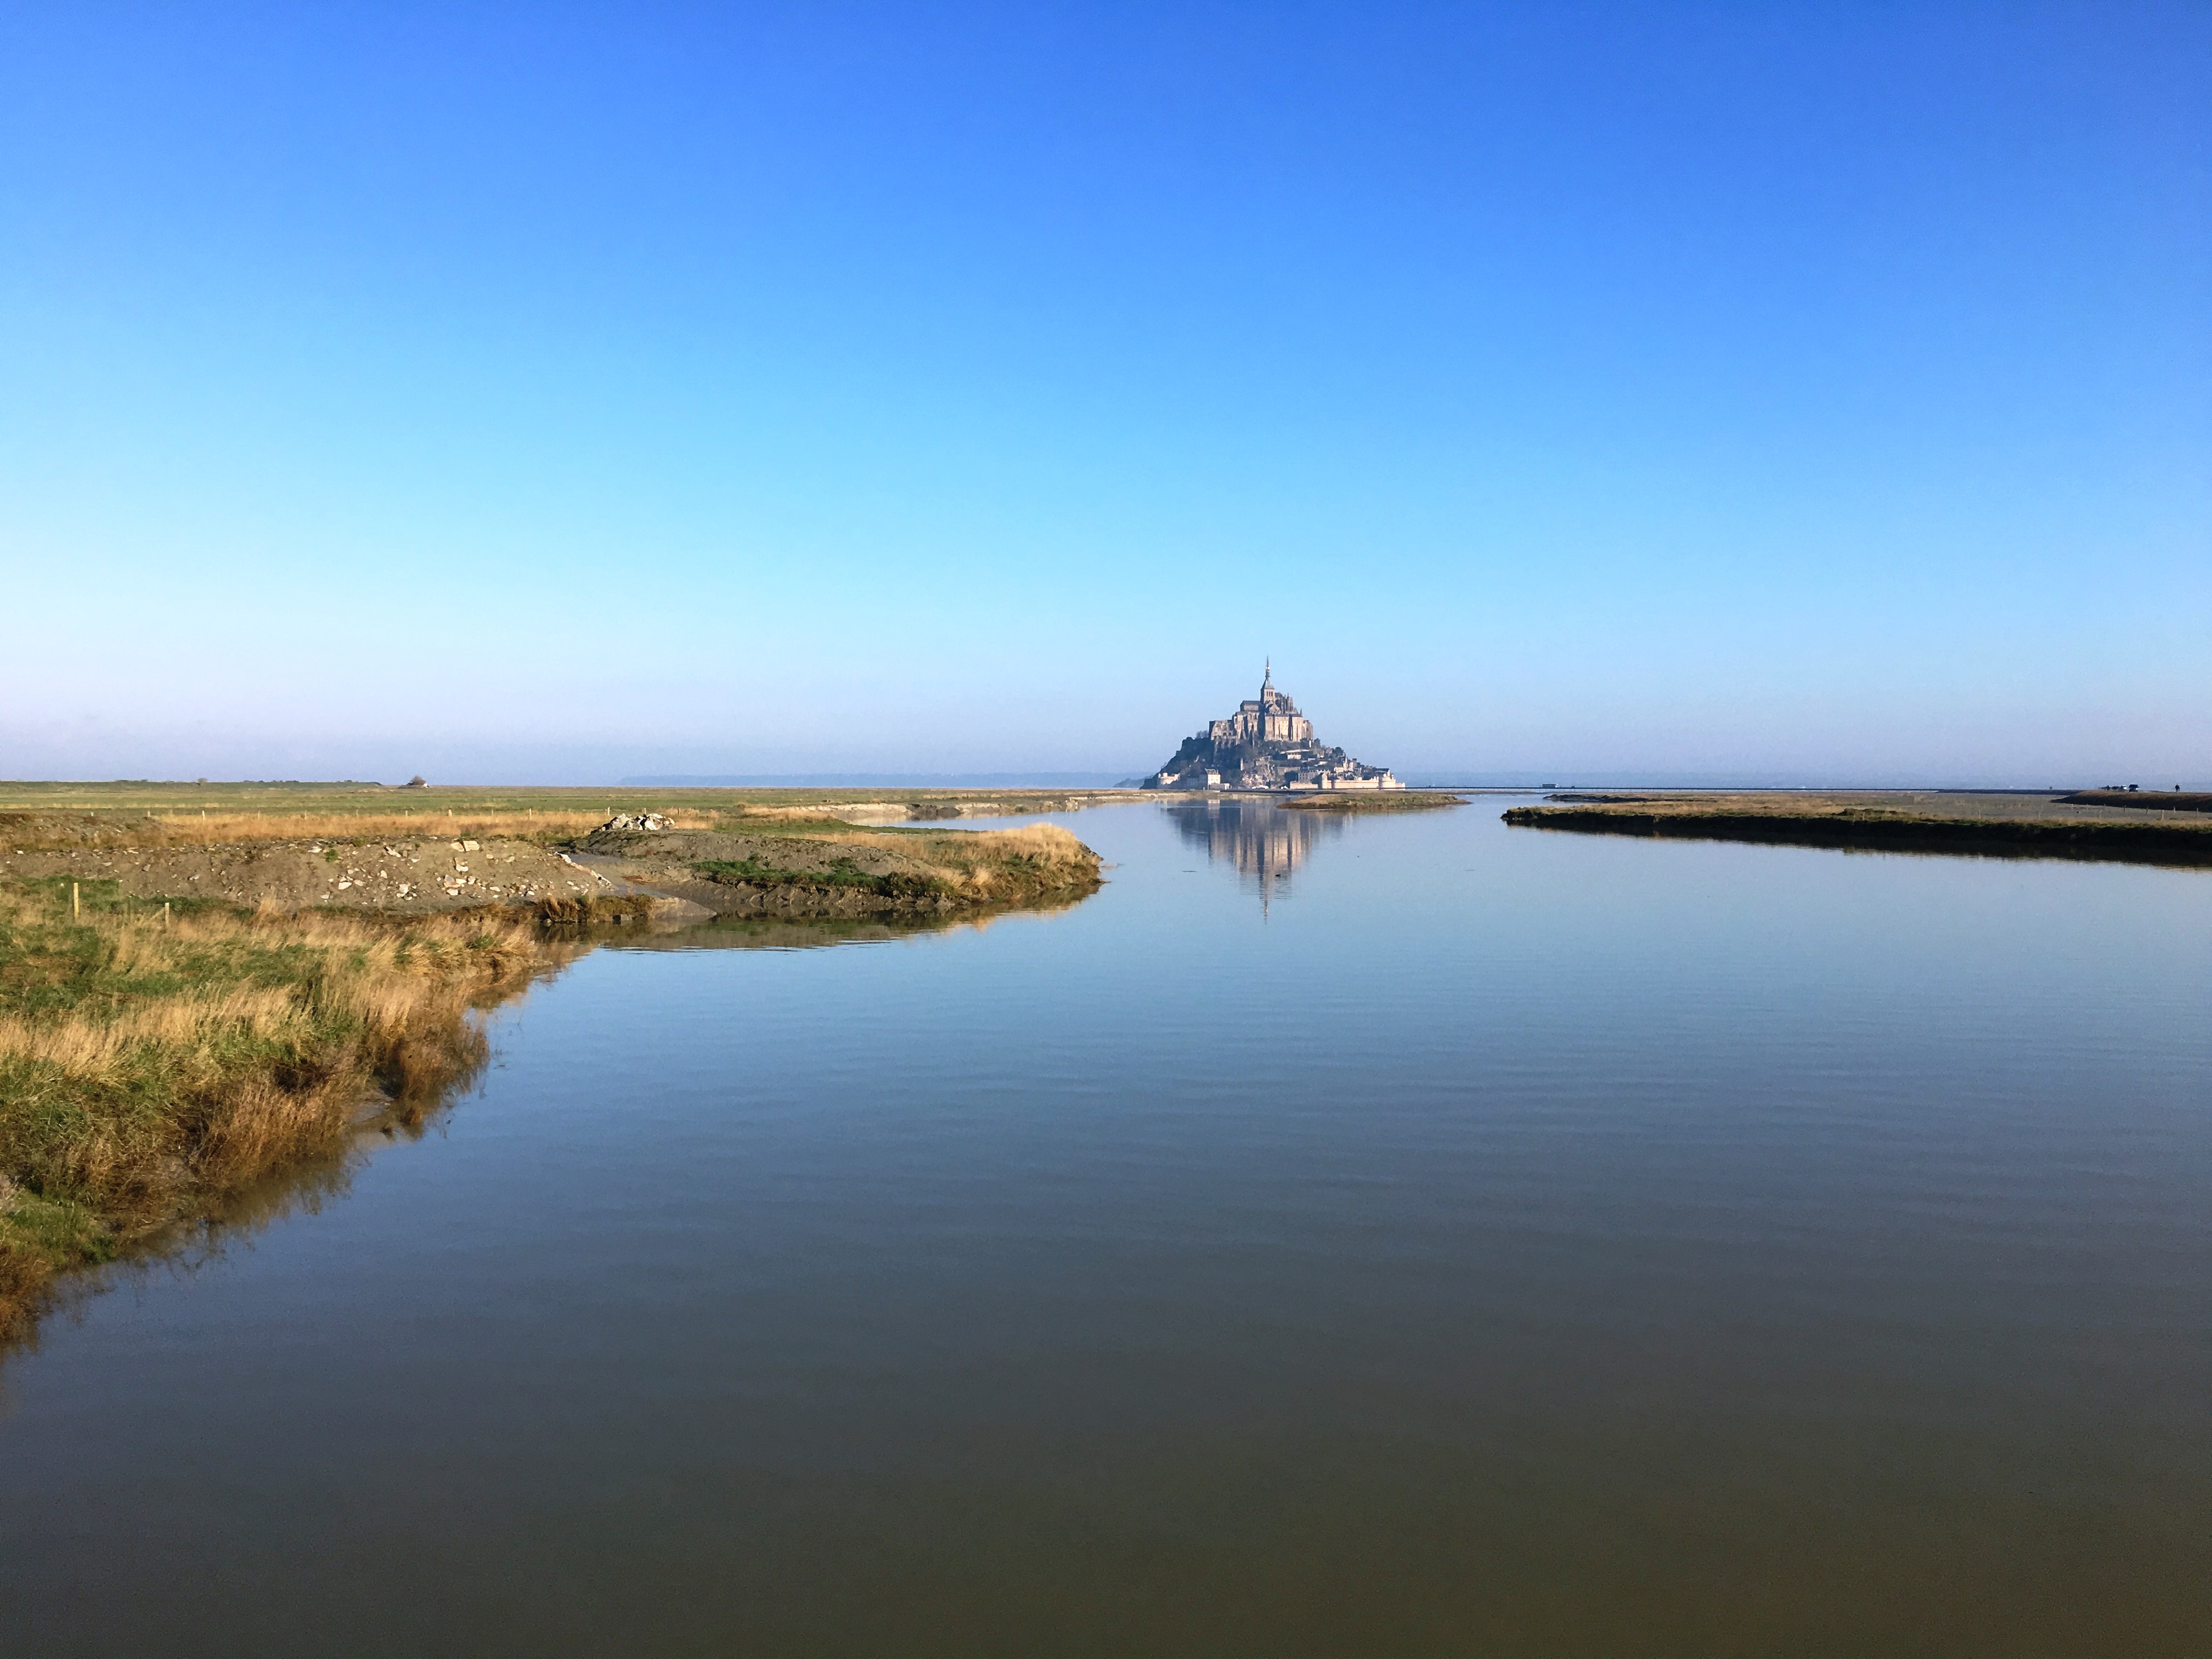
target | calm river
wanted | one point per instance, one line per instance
(1397, 1237)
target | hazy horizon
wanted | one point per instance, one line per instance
(1419, 778)
(1633, 392)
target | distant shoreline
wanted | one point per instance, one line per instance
(1987, 823)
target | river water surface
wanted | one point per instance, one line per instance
(1400, 1236)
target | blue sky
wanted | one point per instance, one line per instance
(548, 393)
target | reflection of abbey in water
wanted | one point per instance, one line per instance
(1260, 841)
(1265, 745)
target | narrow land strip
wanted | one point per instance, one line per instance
(2133, 829)
(1393, 800)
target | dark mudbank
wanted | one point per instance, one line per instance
(2137, 843)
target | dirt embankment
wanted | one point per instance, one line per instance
(407, 877)
(797, 867)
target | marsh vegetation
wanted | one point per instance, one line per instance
(1986, 823)
(160, 1055)
(155, 1060)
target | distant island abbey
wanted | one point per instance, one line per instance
(1265, 745)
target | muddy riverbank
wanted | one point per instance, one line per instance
(1991, 824)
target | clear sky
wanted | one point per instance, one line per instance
(545, 393)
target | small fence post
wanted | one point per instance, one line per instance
(73, 904)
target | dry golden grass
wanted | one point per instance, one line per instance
(146, 1071)
(227, 829)
(983, 862)
(78, 1046)
(1047, 842)
(1005, 858)
(827, 815)
(40, 819)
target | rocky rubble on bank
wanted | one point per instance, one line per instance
(415, 876)
(636, 863)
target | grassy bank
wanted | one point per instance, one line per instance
(153, 1065)
(58, 829)
(374, 851)
(839, 874)
(2180, 844)
(830, 868)
(200, 813)
(994, 866)
(161, 1055)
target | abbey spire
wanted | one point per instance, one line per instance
(1267, 744)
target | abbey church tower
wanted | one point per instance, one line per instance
(1265, 745)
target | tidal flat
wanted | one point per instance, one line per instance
(1334, 1234)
